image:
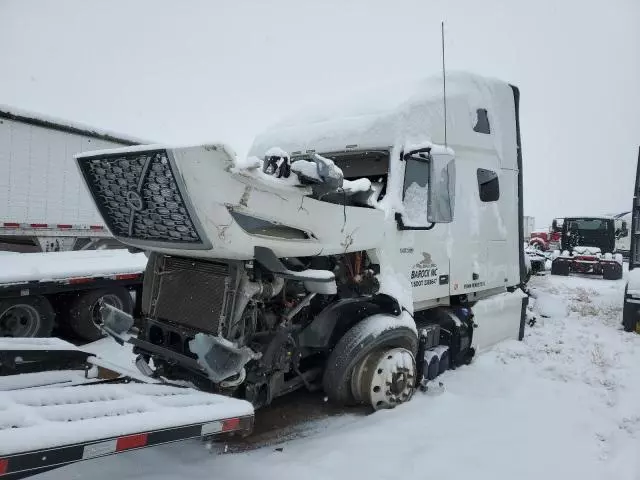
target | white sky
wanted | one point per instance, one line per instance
(194, 71)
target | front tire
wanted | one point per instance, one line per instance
(364, 345)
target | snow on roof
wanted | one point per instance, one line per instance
(33, 267)
(46, 121)
(597, 217)
(399, 114)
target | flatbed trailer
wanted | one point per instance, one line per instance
(39, 291)
(60, 405)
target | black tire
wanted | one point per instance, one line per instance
(82, 311)
(611, 271)
(26, 317)
(362, 339)
(444, 362)
(630, 316)
(560, 268)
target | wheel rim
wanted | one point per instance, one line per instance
(109, 299)
(19, 321)
(385, 379)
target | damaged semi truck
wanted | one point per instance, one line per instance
(360, 249)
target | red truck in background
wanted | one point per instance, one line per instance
(548, 240)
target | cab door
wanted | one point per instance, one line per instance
(423, 228)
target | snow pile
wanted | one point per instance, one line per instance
(248, 163)
(634, 282)
(580, 250)
(416, 205)
(307, 169)
(355, 186)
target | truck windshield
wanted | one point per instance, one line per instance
(587, 224)
(371, 164)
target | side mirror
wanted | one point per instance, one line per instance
(429, 190)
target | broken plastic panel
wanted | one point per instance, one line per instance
(115, 322)
(219, 357)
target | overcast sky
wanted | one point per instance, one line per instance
(195, 71)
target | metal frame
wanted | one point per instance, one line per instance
(26, 464)
(67, 285)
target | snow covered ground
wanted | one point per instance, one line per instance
(563, 404)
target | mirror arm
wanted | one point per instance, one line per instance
(402, 226)
(412, 153)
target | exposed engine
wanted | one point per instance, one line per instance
(233, 326)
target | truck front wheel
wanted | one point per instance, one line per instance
(374, 363)
(83, 316)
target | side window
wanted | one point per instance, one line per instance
(416, 193)
(482, 122)
(488, 185)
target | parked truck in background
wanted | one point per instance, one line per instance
(360, 249)
(549, 239)
(43, 203)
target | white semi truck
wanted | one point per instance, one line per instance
(360, 250)
(43, 203)
(352, 244)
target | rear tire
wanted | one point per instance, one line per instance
(560, 268)
(630, 316)
(370, 336)
(612, 271)
(83, 316)
(26, 317)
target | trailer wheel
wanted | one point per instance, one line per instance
(26, 317)
(83, 314)
(373, 364)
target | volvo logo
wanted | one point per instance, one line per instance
(134, 200)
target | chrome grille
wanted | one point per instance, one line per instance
(138, 196)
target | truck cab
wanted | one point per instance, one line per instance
(589, 247)
(355, 250)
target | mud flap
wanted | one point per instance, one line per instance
(499, 318)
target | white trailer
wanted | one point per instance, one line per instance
(529, 224)
(382, 250)
(43, 204)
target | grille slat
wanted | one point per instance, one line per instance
(138, 196)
